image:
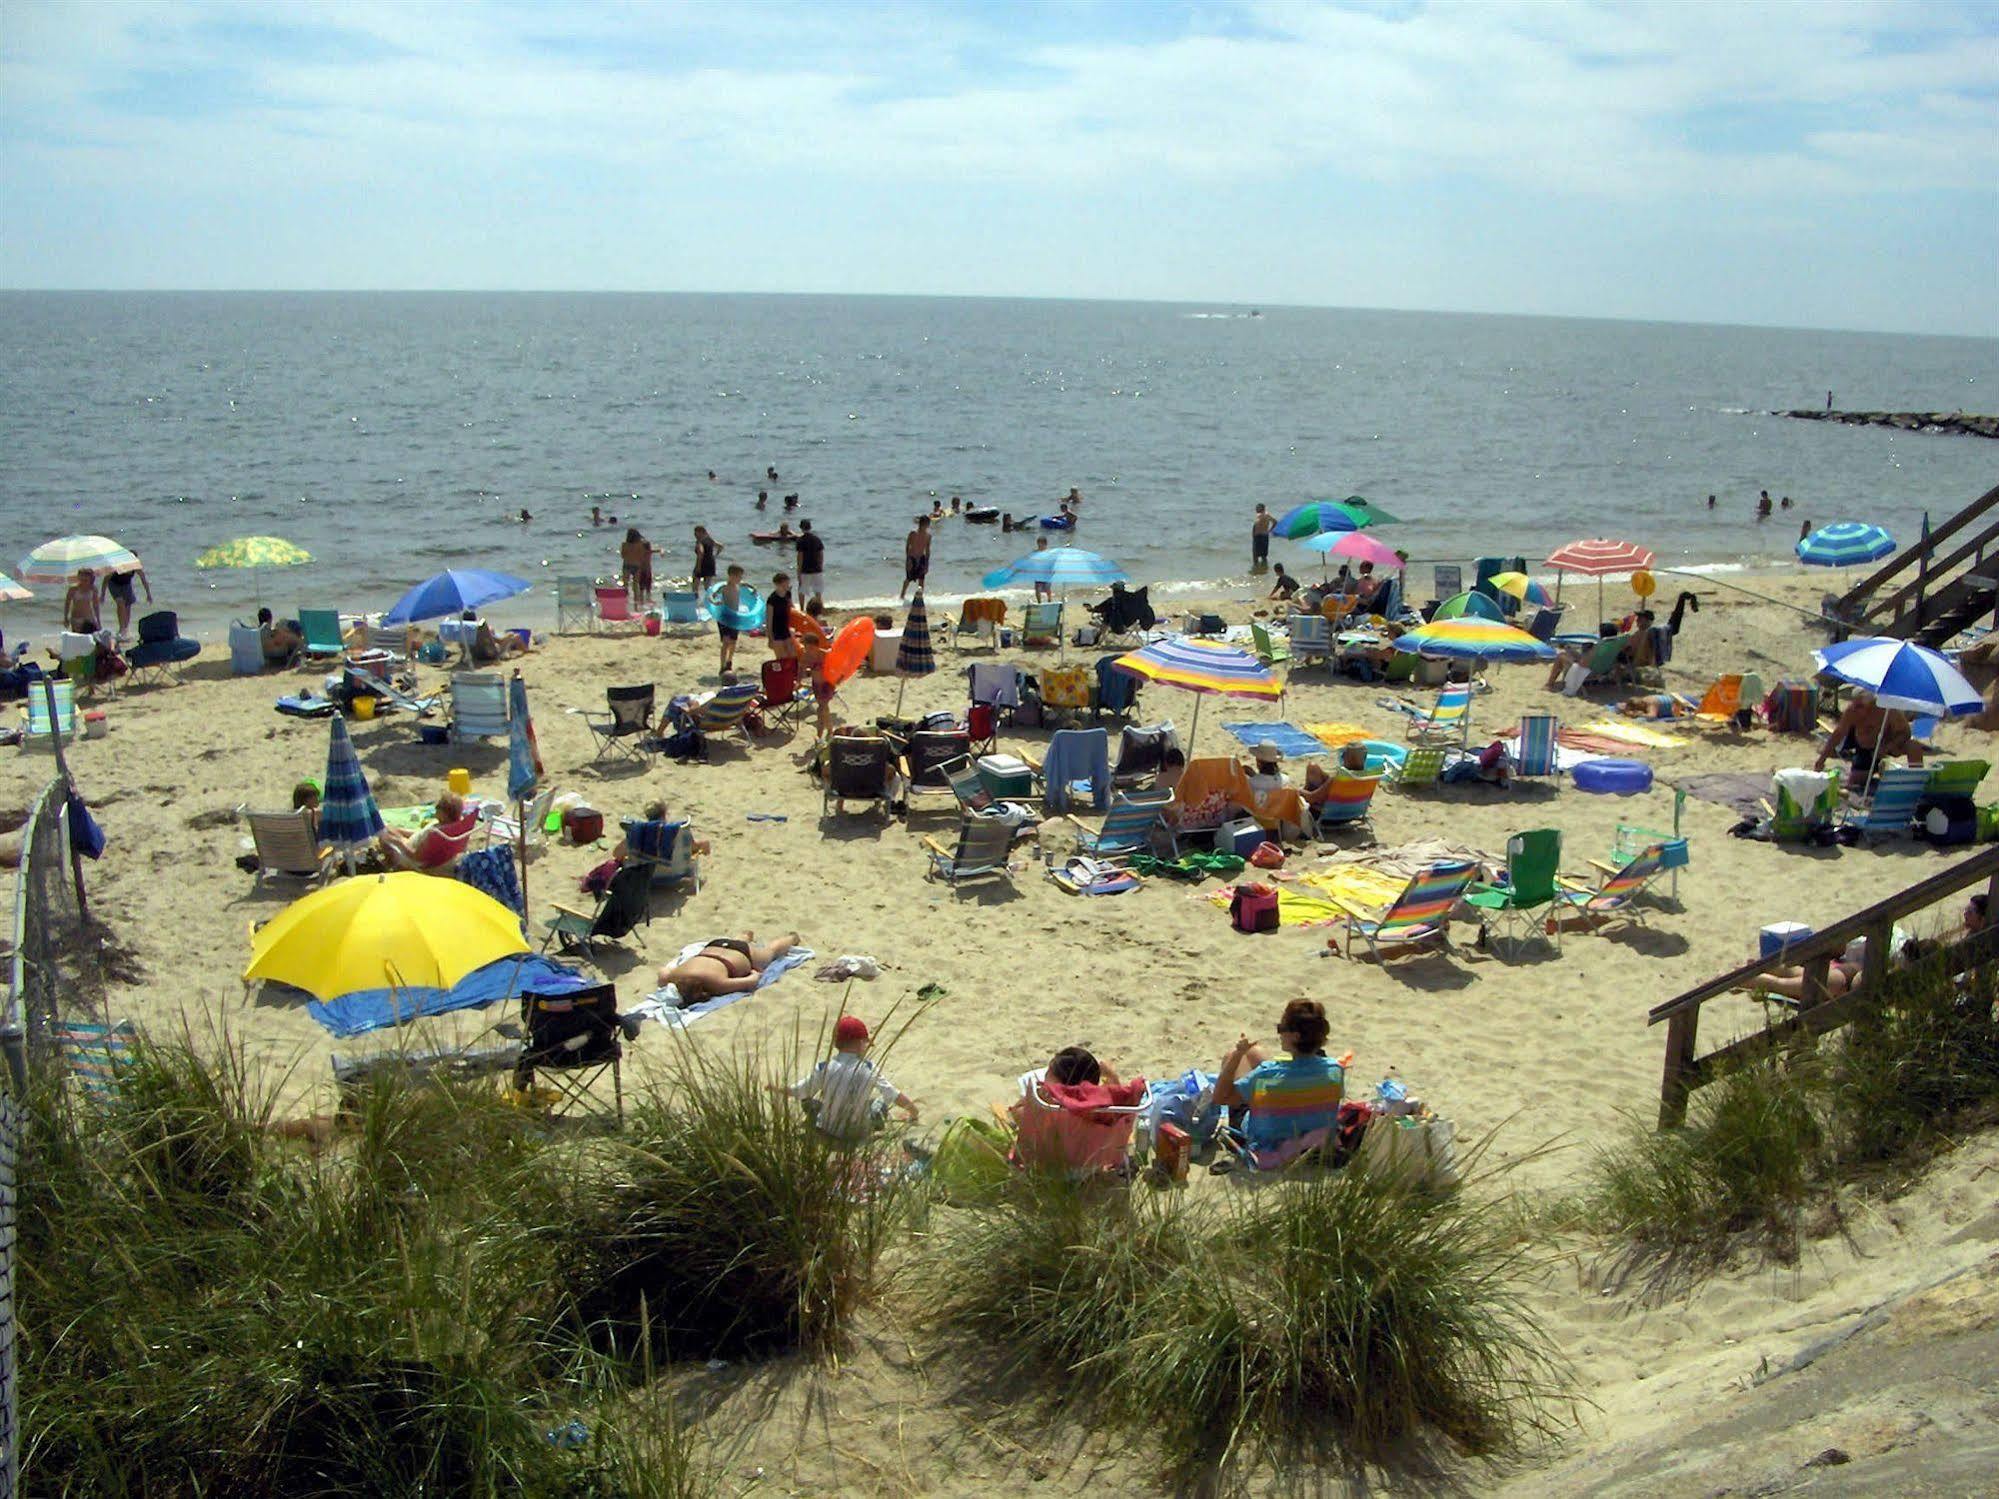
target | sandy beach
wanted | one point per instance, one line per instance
(1548, 1050)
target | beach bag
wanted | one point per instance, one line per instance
(1253, 908)
(85, 836)
(1186, 1102)
(684, 744)
(1423, 1151)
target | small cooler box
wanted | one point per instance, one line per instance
(1779, 935)
(1006, 777)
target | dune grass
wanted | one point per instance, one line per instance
(1343, 1316)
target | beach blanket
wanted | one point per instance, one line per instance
(1742, 792)
(1336, 735)
(1292, 742)
(505, 978)
(1367, 879)
(1635, 733)
(1592, 744)
(664, 1005)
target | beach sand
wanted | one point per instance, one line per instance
(1551, 1050)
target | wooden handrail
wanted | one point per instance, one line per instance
(1895, 602)
(1910, 556)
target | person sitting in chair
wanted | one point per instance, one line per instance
(280, 641)
(486, 648)
(1865, 733)
(726, 965)
(1293, 1104)
(433, 845)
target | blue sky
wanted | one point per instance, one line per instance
(1823, 165)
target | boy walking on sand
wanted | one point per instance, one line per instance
(732, 600)
(846, 1096)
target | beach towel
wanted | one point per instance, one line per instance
(502, 979)
(1741, 792)
(1292, 742)
(664, 1005)
(1634, 733)
(1078, 759)
(995, 683)
(1336, 735)
(1314, 900)
(1211, 786)
(1591, 744)
(491, 871)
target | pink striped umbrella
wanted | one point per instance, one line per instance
(1597, 558)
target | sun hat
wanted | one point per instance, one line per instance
(848, 1029)
(1266, 751)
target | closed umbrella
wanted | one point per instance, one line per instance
(448, 594)
(1470, 639)
(1201, 667)
(406, 931)
(913, 656)
(523, 770)
(1598, 557)
(12, 592)
(254, 553)
(348, 816)
(57, 561)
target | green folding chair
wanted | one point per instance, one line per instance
(1267, 651)
(1533, 869)
(321, 628)
(1420, 767)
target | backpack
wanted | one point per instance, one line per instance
(1253, 908)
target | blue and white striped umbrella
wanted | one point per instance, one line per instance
(1901, 674)
(1845, 543)
(523, 764)
(1059, 567)
(348, 816)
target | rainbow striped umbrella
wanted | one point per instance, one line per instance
(57, 561)
(1201, 667)
(1470, 639)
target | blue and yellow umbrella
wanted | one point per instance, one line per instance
(1470, 639)
(1201, 667)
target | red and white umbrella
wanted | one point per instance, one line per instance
(1598, 557)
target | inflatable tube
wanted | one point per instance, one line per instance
(808, 630)
(849, 649)
(983, 516)
(1612, 777)
(749, 617)
(1058, 522)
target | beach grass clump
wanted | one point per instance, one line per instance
(725, 1224)
(1344, 1317)
(206, 1308)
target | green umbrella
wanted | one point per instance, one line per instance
(1468, 606)
(1364, 512)
(254, 552)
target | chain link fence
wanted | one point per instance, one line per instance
(10, 1147)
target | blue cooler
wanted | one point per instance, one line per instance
(1779, 935)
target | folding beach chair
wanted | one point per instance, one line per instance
(530, 834)
(1117, 691)
(983, 846)
(1080, 1132)
(287, 848)
(94, 1055)
(1448, 581)
(1533, 872)
(614, 604)
(625, 906)
(161, 650)
(1125, 616)
(783, 698)
(361, 679)
(680, 613)
(976, 800)
(396, 641)
(626, 726)
(1722, 701)
(1629, 841)
(572, 1040)
(1889, 810)
(1807, 804)
(1311, 639)
(1603, 664)
(1419, 917)
(479, 707)
(667, 851)
(1269, 653)
(1537, 759)
(246, 650)
(1956, 777)
(1128, 827)
(979, 624)
(860, 768)
(1347, 803)
(1447, 722)
(1141, 752)
(321, 629)
(1616, 897)
(994, 685)
(1421, 767)
(574, 601)
(40, 730)
(437, 849)
(1041, 624)
(1544, 624)
(729, 709)
(926, 758)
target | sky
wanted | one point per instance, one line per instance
(1820, 164)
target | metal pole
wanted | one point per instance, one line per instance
(62, 772)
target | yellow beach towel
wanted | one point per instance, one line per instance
(1333, 735)
(1633, 733)
(1311, 901)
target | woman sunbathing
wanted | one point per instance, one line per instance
(727, 965)
(1842, 973)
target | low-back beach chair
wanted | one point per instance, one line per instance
(1311, 637)
(614, 605)
(625, 727)
(784, 699)
(530, 834)
(730, 708)
(360, 679)
(1079, 1132)
(860, 768)
(1538, 759)
(680, 613)
(286, 847)
(162, 649)
(983, 846)
(321, 629)
(94, 1055)
(1267, 650)
(575, 602)
(1629, 840)
(1421, 767)
(1419, 917)
(1956, 777)
(1128, 827)
(1615, 898)
(1448, 721)
(572, 1040)
(667, 850)
(1604, 664)
(1544, 624)
(1533, 875)
(1041, 624)
(1347, 803)
(479, 708)
(1117, 691)
(40, 730)
(396, 640)
(1723, 700)
(979, 624)
(625, 906)
(1889, 811)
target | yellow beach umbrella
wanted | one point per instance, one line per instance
(403, 931)
(254, 552)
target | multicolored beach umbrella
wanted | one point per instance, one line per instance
(1901, 674)
(254, 552)
(913, 657)
(1474, 639)
(1845, 543)
(1468, 605)
(1059, 568)
(57, 561)
(1599, 557)
(1314, 516)
(1201, 667)
(12, 592)
(348, 816)
(1363, 512)
(1523, 588)
(450, 593)
(406, 931)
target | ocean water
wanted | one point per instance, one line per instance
(396, 434)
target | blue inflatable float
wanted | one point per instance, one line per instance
(1612, 777)
(749, 617)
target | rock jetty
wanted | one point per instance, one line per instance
(1906, 421)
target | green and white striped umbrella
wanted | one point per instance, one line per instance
(57, 561)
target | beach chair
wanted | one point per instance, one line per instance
(1807, 804)
(1421, 767)
(983, 846)
(1615, 898)
(667, 850)
(1079, 1132)
(860, 768)
(1533, 873)
(1347, 803)
(994, 685)
(1603, 664)
(1067, 692)
(1418, 918)
(361, 679)
(1956, 777)
(625, 906)
(286, 848)
(979, 624)
(624, 728)
(1311, 639)
(321, 629)
(614, 605)
(162, 650)
(729, 709)
(1537, 759)
(1267, 651)
(1630, 840)
(94, 1055)
(1447, 582)
(1128, 827)
(1890, 809)
(246, 650)
(926, 756)
(1041, 624)
(575, 599)
(784, 699)
(530, 834)
(1117, 691)
(396, 641)
(1141, 752)
(680, 613)
(976, 800)
(1723, 700)
(479, 707)
(40, 730)
(572, 1040)
(438, 848)
(1544, 624)
(1448, 721)
(1126, 616)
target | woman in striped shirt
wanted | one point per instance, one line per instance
(1293, 1102)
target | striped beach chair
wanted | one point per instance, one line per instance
(1420, 916)
(1448, 720)
(1537, 759)
(1892, 806)
(1041, 624)
(1420, 767)
(1311, 636)
(983, 846)
(730, 708)
(1127, 827)
(95, 1054)
(40, 730)
(1616, 898)
(1347, 804)
(1956, 777)
(479, 706)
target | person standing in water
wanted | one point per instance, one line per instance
(705, 548)
(1259, 540)
(916, 556)
(635, 566)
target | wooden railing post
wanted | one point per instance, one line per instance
(1681, 1033)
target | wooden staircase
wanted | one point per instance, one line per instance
(1948, 581)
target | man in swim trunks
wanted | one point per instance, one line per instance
(1259, 539)
(916, 556)
(727, 965)
(1865, 732)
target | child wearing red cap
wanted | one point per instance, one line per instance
(846, 1096)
